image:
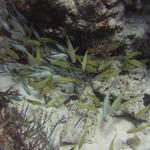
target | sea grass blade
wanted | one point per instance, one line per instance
(84, 62)
(94, 98)
(86, 106)
(138, 129)
(111, 147)
(106, 105)
(77, 125)
(71, 51)
(142, 112)
(115, 105)
(123, 105)
(82, 140)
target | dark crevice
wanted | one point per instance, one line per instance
(146, 99)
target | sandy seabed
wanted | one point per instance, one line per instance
(104, 132)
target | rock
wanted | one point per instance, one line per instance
(133, 142)
(93, 20)
(134, 3)
(112, 23)
(136, 87)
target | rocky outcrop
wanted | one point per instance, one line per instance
(93, 20)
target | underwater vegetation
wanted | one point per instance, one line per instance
(18, 132)
(8, 96)
(45, 64)
(41, 63)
